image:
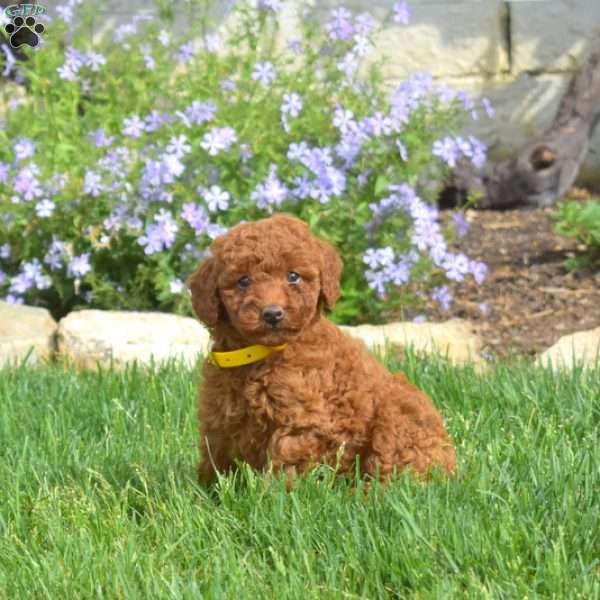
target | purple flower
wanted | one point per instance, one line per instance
(94, 60)
(478, 152)
(460, 224)
(303, 187)
(448, 150)
(295, 45)
(12, 299)
(292, 104)
(99, 139)
(377, 125)
(217, 139)
(456, 266)
(228, 85)
(178, 146)
(67, 72)
(30, 276)
(153, 121)
(92, 183)
(362, 46)
(5, 251)
(376, 281)
(79, 265)
(24, 148)
(4, 169)
(330, 182)
(200, 112)
(297, 151)
(487, 106)
(26, 182)
(269, 5)
(349, 148)
(264, 72)
(157, 173)
(348, 65)
(164, 38)
(124, 31)
(133, 126)
(468, 103)
(398, 273)
(74, 60)
(212, 42)
(185, 52)
(401, 12)
(196, 216)
(216, 198)
(425, 231)
(55, 255)
(215, 230)
(149, 61)
(378, 257)
(479, 271)
(343, 119)
(176, 286)
(364, 24)
(441, 294)
(161, 235)
(271, 192)
(45, 208)
(65, 12)
(340, 26)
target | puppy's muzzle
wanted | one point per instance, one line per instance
(272, 314)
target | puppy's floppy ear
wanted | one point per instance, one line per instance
(331, 272)
(203, 285)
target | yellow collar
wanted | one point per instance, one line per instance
(243, 356)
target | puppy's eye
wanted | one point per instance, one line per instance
(293, 277)
(243, 282)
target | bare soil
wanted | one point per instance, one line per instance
(529, 300)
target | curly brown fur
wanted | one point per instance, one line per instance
(324, 399)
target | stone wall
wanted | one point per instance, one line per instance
(519, 53)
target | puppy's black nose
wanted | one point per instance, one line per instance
(272, 314)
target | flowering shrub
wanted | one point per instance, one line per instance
(581, 221)
(129, 155)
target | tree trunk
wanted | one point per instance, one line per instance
(546, 167)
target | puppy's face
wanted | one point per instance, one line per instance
(266, 279)
(268, 299)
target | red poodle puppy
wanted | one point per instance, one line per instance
(284, 386)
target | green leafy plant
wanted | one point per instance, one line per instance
(132, 151)
(581, 221)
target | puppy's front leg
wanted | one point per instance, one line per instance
(296, 450)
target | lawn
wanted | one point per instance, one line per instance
(98, 497)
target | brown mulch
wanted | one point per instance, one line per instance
(530, 300)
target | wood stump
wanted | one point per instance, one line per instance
(546, 167)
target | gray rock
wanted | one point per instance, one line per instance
(581, 348)
(25, 331)
(88, 337)
(454, 339)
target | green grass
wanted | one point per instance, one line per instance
(98, 497)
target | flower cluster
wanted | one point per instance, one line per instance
(427, 240)
(120, 199)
